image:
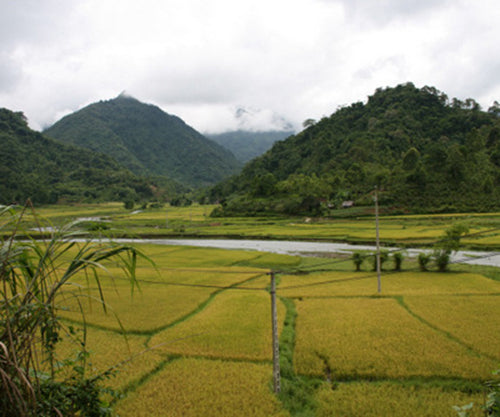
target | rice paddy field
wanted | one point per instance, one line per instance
(354, 227)
(192, 337)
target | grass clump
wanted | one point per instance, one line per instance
(35, 381)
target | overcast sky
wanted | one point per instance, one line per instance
(203, 59)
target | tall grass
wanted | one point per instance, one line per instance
(33, 381)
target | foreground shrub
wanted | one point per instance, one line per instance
(34, 274)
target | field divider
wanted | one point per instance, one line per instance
(463, 384)
(204, 304)
(151, 332)
(450, 336)
(297, 391)
(133, 385)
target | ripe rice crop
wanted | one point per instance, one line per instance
(401, 283)
(377, 338)
(236, 324)
(149, 308)
(162, 297)
(198, 387)
(389, 399)
(110, 349)
(473, 319)
(187, 256)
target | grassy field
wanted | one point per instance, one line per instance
(194, 336)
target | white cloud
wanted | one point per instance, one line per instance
(200, 60)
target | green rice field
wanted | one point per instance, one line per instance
(410, 230)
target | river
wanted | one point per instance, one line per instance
(318, 248)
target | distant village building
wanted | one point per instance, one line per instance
(347, 204)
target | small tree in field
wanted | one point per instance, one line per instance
(447, 245)
(358, 259)
(398, 260)
(384, 256)
(423, 260)
(442, 259)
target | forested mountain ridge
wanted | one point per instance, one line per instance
(425, 152)
(146, 140)
(246, 145)
(36, 167)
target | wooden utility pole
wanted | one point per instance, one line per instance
(276, 346)
(379, 282)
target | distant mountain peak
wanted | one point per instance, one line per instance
(125, 95)
(146, 140)
(260, 120)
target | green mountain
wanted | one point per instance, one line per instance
(34, 166)
(246, 145)
(147, 141)
(424, 152)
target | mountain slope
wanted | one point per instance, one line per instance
(34, 166)
(147, 141)
(246, 145)
(425, 152)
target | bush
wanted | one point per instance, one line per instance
(398, 260)
(384, 255)
(423, 261)
(442, 259)
(128, 204)
(33, 273)
(358, 259)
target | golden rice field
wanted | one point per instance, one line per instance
(388, 399)
(377, 337)
(464, 317)
(128, 356)
(194, 387)
(199, 342)
(198, 325)
(235, 325)
(342, 283)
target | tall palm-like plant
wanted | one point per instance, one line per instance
(33, 276)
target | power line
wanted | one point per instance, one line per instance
(295, 271)
(372, 275)
(332, 281)
(395, 250)
(184, 284)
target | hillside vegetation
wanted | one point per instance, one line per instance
(425, 152)
(34, 166)
(147, 141)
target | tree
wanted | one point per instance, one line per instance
(308, 123)
(398, 260)
(263, 185)
(442, 259)
(384, 256)
(448, 244)
(310, 190)
(410, 159)
(357, 258)
(423, 260)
